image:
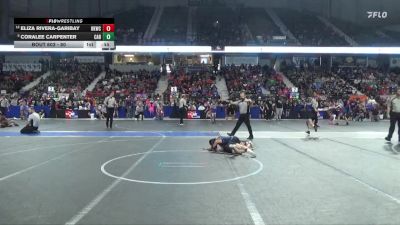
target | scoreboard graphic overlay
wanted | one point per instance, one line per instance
(64, 33)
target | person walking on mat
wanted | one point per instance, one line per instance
(393, 108)
(312, 114)
(244, 110)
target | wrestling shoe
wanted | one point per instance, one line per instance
(250, 144)
(387, 138)
(229, 134)
(308, 132)
(250, 137)
(252, 154)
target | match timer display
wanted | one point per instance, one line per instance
(64, 33)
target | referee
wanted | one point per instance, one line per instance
(244, 110)
(393, 108)
(110, 104)
(182, 108)
(312, 121)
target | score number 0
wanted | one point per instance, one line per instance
(108, 27)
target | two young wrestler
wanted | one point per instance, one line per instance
(232, 145)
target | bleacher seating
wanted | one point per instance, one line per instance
(363, 35)
(260, 24)
(371, 82)
(172, 27)
(132, 24)
(68, 77)
(252, 80)
(199, 86)
(140, 82)
(323, 83)
(219, 26)
(14, 81)
(309, 30)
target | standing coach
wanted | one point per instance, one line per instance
(244, 110)
(393, 108)
(110, 104)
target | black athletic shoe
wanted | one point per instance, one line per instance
(229, 134)
(387, 138)
(308, 132)
(316, 128)
(250, 137)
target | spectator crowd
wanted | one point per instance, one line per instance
(337, 90)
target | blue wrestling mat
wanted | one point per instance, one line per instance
(114, 134)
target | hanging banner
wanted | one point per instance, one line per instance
(298, 61)
(239, 60)
(193, 115)
(394, 62)
(278, 37)
(30, 67)
(26, 58)
(89, 59)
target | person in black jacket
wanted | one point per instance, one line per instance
(269, 109)
(278, 108)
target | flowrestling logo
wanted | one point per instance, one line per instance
(377, 15)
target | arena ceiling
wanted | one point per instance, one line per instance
(354, 11)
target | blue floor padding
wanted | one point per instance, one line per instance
(115, 134)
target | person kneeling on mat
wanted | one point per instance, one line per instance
(231, 145)
(33, 123)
